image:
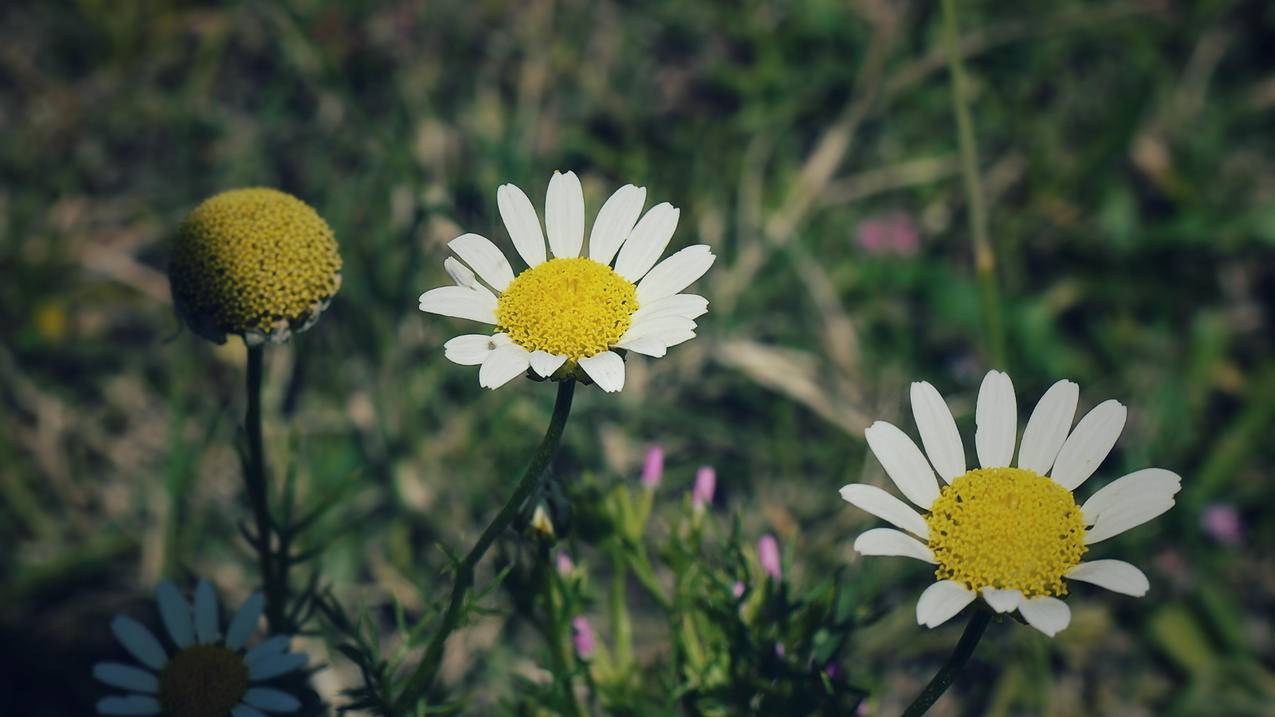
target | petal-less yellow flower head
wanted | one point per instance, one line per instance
(573, 307)
(1006, 528)
(253, 262)
(203, 681)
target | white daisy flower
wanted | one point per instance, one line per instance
(1007, 533)
(208, 674)
(571, 310)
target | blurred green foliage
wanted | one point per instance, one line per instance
(1127, 151)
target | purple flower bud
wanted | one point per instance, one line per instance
(653, 467)
(893, 234)
(582, 636)
(1222, 522)
(832, 670)
(563, 564)
(768, 554)
(738, 589)
(705, 486)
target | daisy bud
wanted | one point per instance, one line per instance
(768, 555)
(540, 522)
(653, 467)
(705, 486)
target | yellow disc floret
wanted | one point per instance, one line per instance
(1006, 528)
(569, 307)
(203, 681)
(254, 262)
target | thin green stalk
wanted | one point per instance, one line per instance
(255, 476)
(619, 608)
(560, 646)
(984, 252)
(955, 662)
(420, 681)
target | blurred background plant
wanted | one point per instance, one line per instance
(1126, 149)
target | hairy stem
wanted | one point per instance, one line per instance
(955, 662)
(419, 683)
(255, 477)
(984, 252)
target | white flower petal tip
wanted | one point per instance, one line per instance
(996, 421)
(545, 363)
(269, 699)
(1149, 486)
(461, 302)
(888, 542)
(276, 645)
(272, 666)
(245, 621)
(126, 677)
(131, 705)
(886, 507)
(645, 345)
(1002, 601)
(522, 224)
(139, 642)
(614, 223)
(675, 273)
(903, 462)
(1047, 614)
(206, 617)
(941, 602)
(1114, 575)
(606, 369)
(246, 711)
(1088, 445)
(938, 431)
(564, 215)
(175, 613)
(647, 242)
(470, 349)
(485, 259)
(502, 365)
(1048, 426)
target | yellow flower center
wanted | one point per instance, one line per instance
(1006, 528)
(569, 307)
(203, 681)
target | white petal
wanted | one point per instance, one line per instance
(659, 327)
(267, 648)
(485, 258)
(126, 677)
(686, 306)
(1048, 426)
(886, 507)
(606, 369)
(1131, 488)
(245, 621)
(1114, 575)
(246, 711)
(271, 700)
(1089, 444)
(996, 418)
(1002, 600)
(139, 642)
(675, 273)
(615, 222)
(647, 242)
(275, 665)
(131, 705)
(564, 215)
(461, 302)
(460, 273)
(903, 462)
(206, 617)
(503, 365)
(545, 363)
(1047, 614)
(1129, 515)
(469, 349)
(941, 601)
(891, 542)
(938, 431)
(523, 224)
(175, 613)
(645, 345)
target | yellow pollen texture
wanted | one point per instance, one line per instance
(1006, 528)
(202, 681)
(569, 307)
(253, 260)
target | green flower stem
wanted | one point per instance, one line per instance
(955, 662)
(419, 683)
(560, 645)
(620, 622)
(274, 583)
(984, 252)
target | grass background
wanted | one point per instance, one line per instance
(1126, 148)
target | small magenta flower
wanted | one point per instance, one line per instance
(653, 467)
(564, 564)
(779, 650)
(583, 637)
(705, 487)
(738, 589)
(768, 555)
(1222, 522)
(893, 234)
